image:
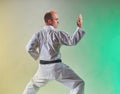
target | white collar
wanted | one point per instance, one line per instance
(49, 27)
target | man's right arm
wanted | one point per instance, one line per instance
(68, 40)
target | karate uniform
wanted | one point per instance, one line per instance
(46, 45)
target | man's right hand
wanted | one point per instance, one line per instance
(79, 21)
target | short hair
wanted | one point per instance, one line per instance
(48, 16)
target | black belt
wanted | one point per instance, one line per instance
(50, 62)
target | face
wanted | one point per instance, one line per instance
(55, 20)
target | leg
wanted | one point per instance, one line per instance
(34, 85)
(71, 80)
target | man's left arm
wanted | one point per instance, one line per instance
(32, 46)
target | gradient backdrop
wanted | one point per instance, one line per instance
(96, 58)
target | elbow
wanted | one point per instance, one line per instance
(75, 43)
(72, 44)
(27, 48)
(84, 33)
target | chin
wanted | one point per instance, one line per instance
(55, 26)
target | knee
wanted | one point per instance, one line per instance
(80, 83)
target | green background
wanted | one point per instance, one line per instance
(96, 59)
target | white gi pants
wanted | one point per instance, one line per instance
(59, 72)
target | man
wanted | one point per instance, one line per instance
(45, 45)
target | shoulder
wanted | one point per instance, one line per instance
(62, 33)
(37, 34)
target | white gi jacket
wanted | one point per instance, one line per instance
(46, 44)
(48, 41)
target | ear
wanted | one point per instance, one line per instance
(49, 21)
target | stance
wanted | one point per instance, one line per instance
(46, 45)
